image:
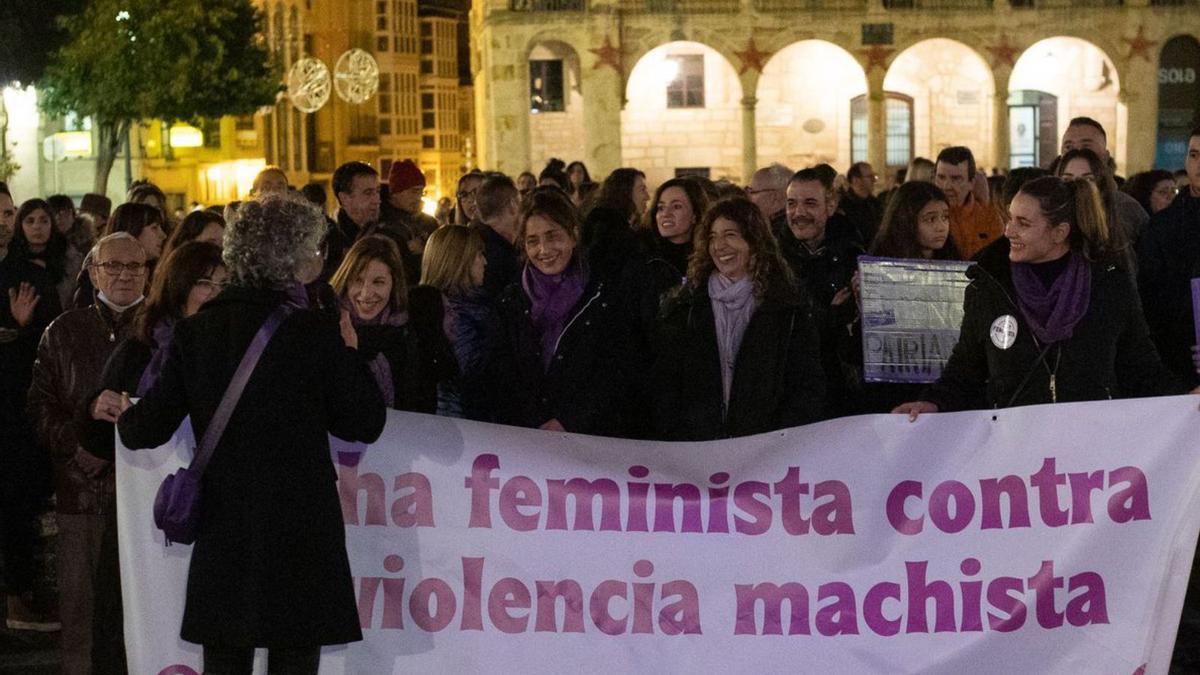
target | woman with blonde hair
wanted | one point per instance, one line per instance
(399, 332)
(454, 263)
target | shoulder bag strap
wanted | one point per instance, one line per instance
(234, 391)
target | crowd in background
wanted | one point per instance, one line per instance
(699, 311)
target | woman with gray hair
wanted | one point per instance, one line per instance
(270, 567)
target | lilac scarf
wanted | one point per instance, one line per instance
(733, 303)
(1054, 312)
(552, 298)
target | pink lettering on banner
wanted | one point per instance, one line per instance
(412, 498)
(888, 606)
(952, 505)
(615, 607)
(676, 507)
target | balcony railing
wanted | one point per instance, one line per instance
(1063, 4)
(811, 5)
(547, 5)
(937, 4)
(681, 6)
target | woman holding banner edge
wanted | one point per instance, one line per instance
(269, 567)
(1058, 321)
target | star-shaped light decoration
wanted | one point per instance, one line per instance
(607, 55)
(877, 55)
(1003, 53)
(1139, 45)
(752, 58)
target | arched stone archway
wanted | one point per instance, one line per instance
(952, 89)
(1082, 81)
(556, 103)
(683, 114)
(804, 106)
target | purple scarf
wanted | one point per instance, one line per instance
(1054, 312)
(380, 369)
(552, 298)
(163, 331)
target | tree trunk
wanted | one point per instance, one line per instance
(110, 135)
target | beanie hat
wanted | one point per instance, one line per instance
(404, 175)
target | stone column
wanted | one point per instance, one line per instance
(504, 127)
(1137, 139)
(749, 138)
(876, 121)
(603, 92)
(1000, 132)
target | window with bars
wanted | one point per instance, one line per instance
(898, 129)
(687, 89)
(546, 86)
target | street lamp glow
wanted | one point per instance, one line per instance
(186, 136)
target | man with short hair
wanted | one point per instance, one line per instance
(767, 189)
(860, 204)
(66, 376)
(356, 186)
(1169, 258)
(498, 201)
(824, 262)
(1131, 219)
(973, 224)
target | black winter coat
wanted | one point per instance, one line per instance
(778, 381)
(269, 567)
(585, 376)
(1110, 354)
(418, 352)
(1169, 258)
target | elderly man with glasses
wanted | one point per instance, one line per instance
(66, 375)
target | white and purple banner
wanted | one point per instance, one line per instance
(1048, 539)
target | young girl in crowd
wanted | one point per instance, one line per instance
(555, 341)
(466, 210)
(737, 346)
(399, 335)
(1057, 321)
(578, 177)
(916, 225)
(454, 264)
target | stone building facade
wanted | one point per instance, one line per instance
(723, 86)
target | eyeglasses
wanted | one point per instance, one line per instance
(114, 269)
(212, 286)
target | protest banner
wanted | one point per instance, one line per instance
(911, 314)
(1048, 539)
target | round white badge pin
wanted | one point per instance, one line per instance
(1004, 331)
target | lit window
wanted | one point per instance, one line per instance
(686, 90)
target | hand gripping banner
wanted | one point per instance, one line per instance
(1048, 539)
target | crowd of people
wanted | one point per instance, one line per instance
(705, 310)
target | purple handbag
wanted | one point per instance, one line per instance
(177, 504)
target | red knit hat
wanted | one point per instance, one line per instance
(404, 175)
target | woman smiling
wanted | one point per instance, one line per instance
(737, 345)
(555, 342)
(399, 334)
